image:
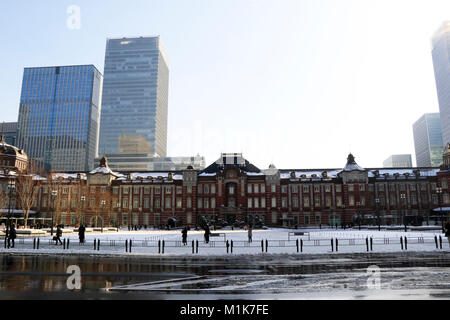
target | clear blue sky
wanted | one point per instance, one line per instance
(298, 83)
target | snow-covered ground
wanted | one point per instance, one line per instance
(271, 241)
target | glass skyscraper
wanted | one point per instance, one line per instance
(441, 63)
(428, 140)
(59, 116)
(135, 98)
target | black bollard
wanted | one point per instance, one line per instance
(34, 243)
(193, 247)
(401, 242)
(68, 241)
(440, 242)
(297, 245)
(367, 243)
(406, 243)
(131, 244)
(95, 244)
(332, 245)
(126, 245)
(64, 244)
(228, 246)
(196, 247)
(163, 244)
(371, 244)
(37, 245)
(301, 245)
(337, 245)
(267, 245)
(231, 246)
(436, 241)
(262, 245)
(159, 246)
(98, 245)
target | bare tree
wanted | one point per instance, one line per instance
(54, 191)
(27, 188)
(4, 198)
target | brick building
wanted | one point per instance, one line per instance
(232, 188)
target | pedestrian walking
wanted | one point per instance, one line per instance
(207, 233)
(81, 232)
(12, 236)
(57, 238)
(184, 235)
(447, 232)
(250, 234)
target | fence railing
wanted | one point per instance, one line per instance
(161, 246)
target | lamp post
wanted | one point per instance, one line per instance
(54, 195)
(83, 199)
(403, 198)
(358, 204)
(103, 202)
(377, 203)
(11, 189)
(439, 193)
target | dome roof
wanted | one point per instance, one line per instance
(9, 150)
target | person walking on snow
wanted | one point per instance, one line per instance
(184, 235)
(250, 234)
(207, 233)
(11, 236)
(81, 231)
(447, 232)
(58, 235)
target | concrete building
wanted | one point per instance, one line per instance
(428, 142)
(398, 161)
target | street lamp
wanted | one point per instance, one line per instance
(11, 188)
(103, 202)
(377, 203)
(439, 192)
(54, 195)
(403, 197)
(358, 204)
(83, 199)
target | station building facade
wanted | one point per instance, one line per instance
(232, 188)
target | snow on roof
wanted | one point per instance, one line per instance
(308, 174)
(154, 175)
(424, 172)
(104, 170)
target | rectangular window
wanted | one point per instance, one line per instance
(273, 188)
(157, 203)
(351, 200)
(92, 189)
(135, 203)
(256, 202)
(213, 203)
(305, 188)
(263, 188)
(306, 202)
(168, 203)
(206, 189)
(135, 190)
(115, 190)
(125, 190)
(179, 203)
(158, 190)
(350, 187)
(274, 202)
(179, 190)
(316, 188)
(263, 202)
(189, 189)
(213, 189)
(249, 203)
(327, 188)
(189, 202)
(295, 201)
(200, 203)
(256, 188)
(338, 188)
(146, 190)
(339, 201)
(283, 189)
(92, 202)
(125, 203)
(249, 188)
(206, 203)
(284, 202)
(200, 189)
(168, 190)
(317, 202)
(362, 187)
(146, 203)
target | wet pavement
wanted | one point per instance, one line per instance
(405, 275)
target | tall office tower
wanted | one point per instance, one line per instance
(428, 140)
(59, 116)
(9, 131)
(441, 62)
(398, 161)
(135, 98)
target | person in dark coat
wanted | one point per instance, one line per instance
(207, 233)
(12, 236)
(58, 235)
(81, 232)
(447, 232)
(250, 234)
(184, 235)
